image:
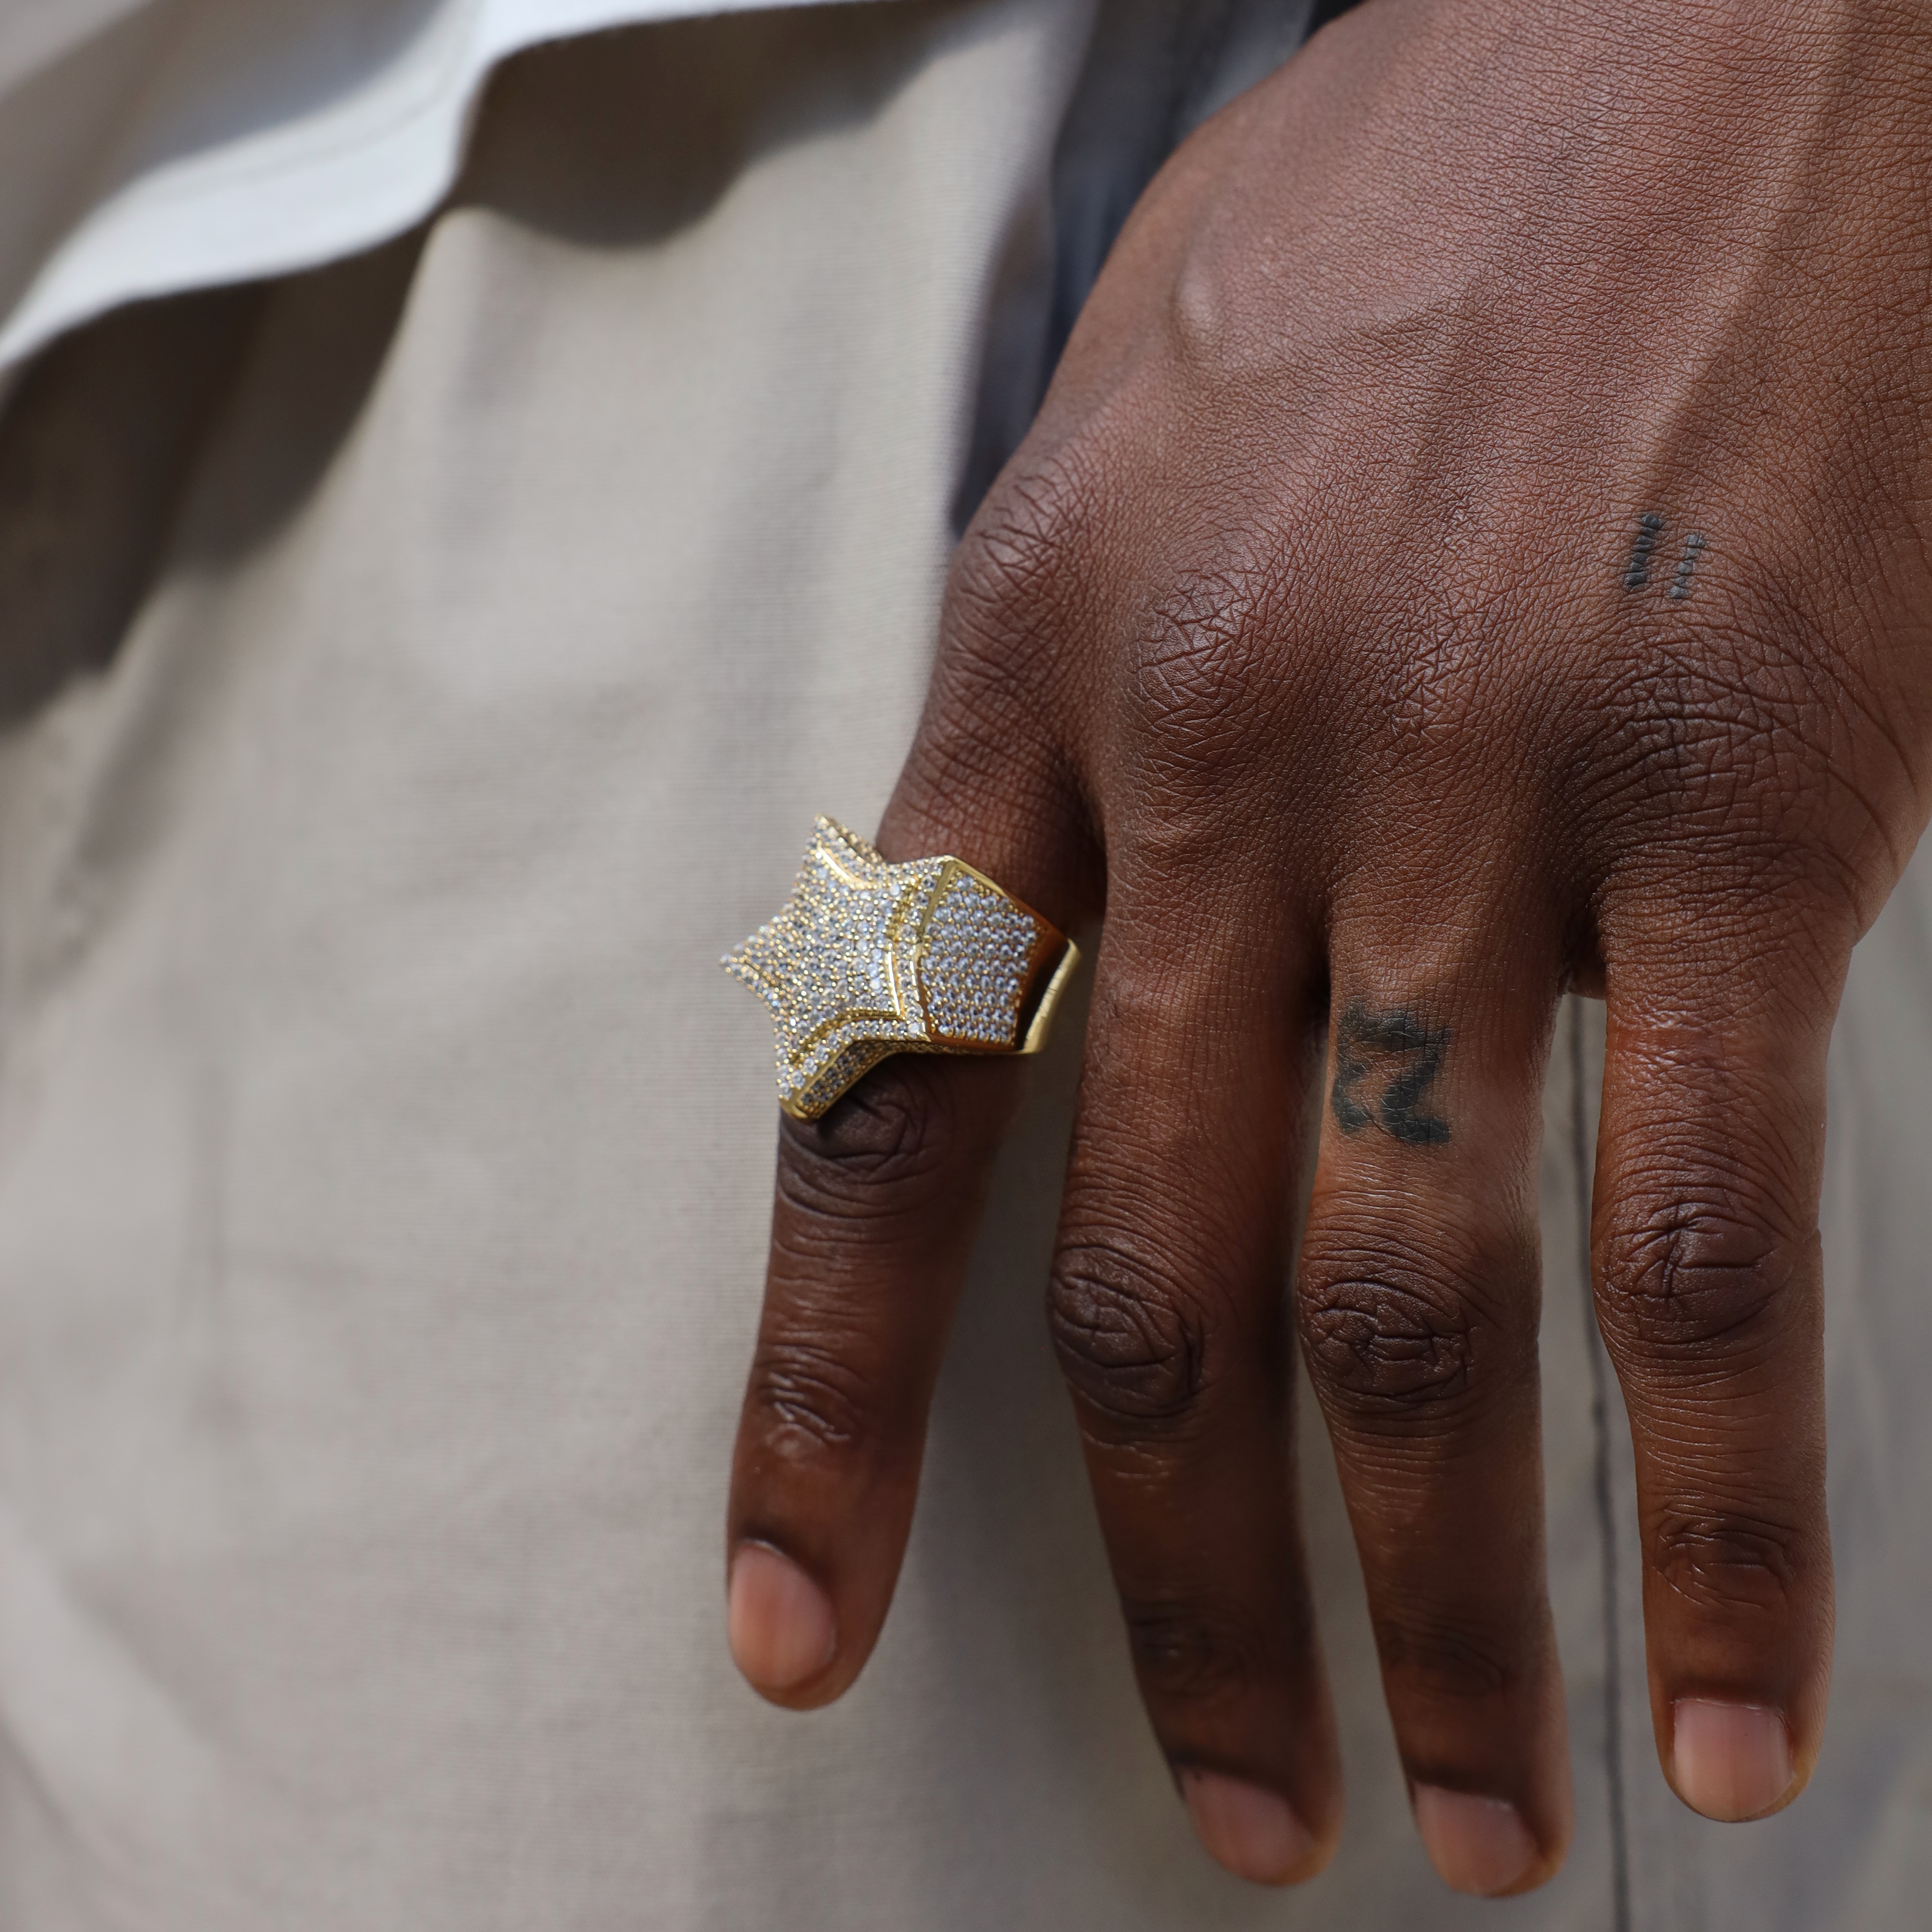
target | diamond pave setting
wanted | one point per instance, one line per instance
(867, 959)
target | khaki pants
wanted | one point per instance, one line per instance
(448, 673)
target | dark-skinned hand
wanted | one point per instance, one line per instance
(1476, 545)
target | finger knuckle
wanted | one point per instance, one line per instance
(1192, 1649)
(1194, 674)
(1016, 579)
(1725, 1562)
(1024, 555)
(811, 1397)
(1441, 1654)
(1131, 1345)
(1686, 1272)
(891, 1137)
(1394, 1335)
(1722, 731)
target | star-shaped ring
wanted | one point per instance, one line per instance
(867, 959)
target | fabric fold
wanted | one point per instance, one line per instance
(153, 147)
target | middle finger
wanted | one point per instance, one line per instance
(1169, 1311)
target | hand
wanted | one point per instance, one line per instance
(1476, 545)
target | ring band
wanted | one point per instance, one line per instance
(867, 959)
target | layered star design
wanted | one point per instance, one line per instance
(867, 959)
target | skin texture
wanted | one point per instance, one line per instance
(1476, 545)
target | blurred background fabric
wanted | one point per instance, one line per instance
(151, 145)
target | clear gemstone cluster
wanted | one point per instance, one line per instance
(867, 959)
(973, 968)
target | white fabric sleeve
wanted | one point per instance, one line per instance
(149, 146)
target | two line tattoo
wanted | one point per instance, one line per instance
(1650, 529)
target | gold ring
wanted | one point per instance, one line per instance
(867, 959)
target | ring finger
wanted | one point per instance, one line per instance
(1418, 1295)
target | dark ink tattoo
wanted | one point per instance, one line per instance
(1650, 527)
(1636, 573)
(1680, 585)
(1367, 1041)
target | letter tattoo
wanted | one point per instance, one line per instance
(1412, 1055)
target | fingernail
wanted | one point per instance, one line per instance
(1255, 1834)
(780, 1621)
(1480, 1846)
(1729, 1761)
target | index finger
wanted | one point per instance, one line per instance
(876, 1204)
(875, 1211)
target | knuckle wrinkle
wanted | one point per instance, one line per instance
(1191, 1650)
(810, 1394)
(1133, 1351)
(889, 1134)
(1385, 1344)
(1447, 1656)
(1684, 1278)
(1725, 1563)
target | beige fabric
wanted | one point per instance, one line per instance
(384, 1160)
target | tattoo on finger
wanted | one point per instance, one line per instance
(1397, 1050)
